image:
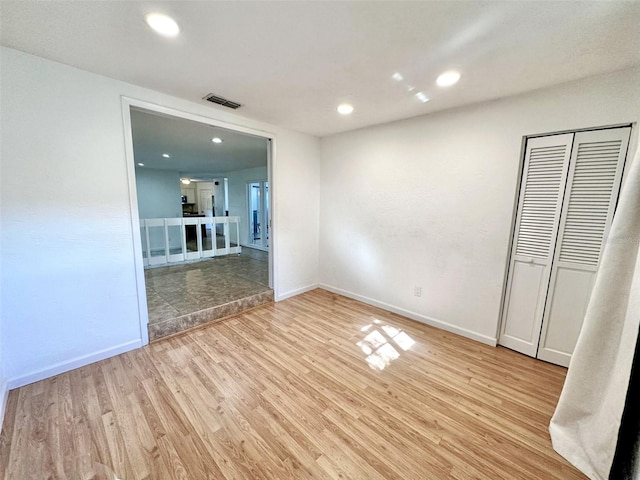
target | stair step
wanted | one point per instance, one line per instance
(208, 315)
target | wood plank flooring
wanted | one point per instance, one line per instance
(316, 387)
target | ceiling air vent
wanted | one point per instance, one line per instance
(213, 98)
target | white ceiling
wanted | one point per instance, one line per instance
(292, 63)
(192, 153)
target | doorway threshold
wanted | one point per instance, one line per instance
(183, 296)
(208, 315)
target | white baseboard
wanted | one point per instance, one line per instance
(4, 395)
(415, 316)
(77, 362)
(297, 291)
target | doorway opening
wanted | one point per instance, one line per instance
(258, 195)
(189, 199)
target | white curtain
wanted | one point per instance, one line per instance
(584, 428)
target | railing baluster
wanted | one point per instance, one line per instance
(146, 232)
(238, 235)
(199, 236)
(183, 233)
(227, 232)
(214, 236)
(166, 241)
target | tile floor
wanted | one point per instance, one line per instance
(178, 290)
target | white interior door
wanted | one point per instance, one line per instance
(597, 163)
(543, 184)
(205, 204)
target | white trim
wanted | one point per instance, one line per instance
(415, 316)
(127, 103)
(62, 367)
(138, 261)
(4, 396)
(514, 216)
(297, 291)
(273, 249)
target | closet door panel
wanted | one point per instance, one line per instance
(594, 181)
(525, 304)
(538, 215)
(570, 292)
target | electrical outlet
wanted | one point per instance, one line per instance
(417, 291)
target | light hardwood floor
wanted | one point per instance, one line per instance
(318, 386)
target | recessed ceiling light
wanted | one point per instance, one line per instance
(448, 78)
(422, 97)
(166, 155)
(397, 77)
(163, 24)
(216, 140)
(141, 164)
(185, 181)
(345, 109)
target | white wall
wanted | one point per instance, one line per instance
(68, 278)
(238, 196)
(4, 390)
(158, 193)
(429, 201)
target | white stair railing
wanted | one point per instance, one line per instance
(172, 240)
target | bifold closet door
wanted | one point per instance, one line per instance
(544, 175)
(569, 191)
(595, 174)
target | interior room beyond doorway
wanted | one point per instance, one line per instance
(199, 251)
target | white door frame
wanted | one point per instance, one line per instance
(127, 104)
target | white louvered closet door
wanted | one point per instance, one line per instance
(595, 174)
(543, 182)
